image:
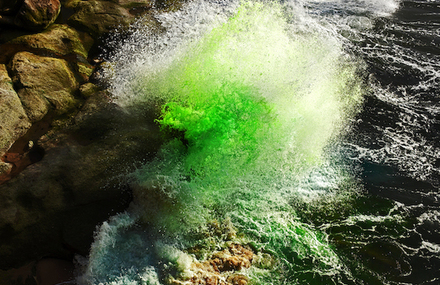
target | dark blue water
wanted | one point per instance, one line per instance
(396, 146)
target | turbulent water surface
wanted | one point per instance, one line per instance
(305, 130)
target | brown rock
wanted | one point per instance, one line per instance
(88, 89)
(99, 17)
(14, 122)
(43, 84)
(222, 268)
(37, 14)
(136, 7)
(234, 258)
(59, 40)
(237, 279)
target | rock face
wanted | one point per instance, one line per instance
(44, 84)
(14, 121)
(37, 14)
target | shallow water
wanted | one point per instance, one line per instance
(309, 128)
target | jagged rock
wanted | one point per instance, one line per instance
(234, 258)
(221, 269)
(52, 207)
(43, 84)
(14, 121)
(37, 14)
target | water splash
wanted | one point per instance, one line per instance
(253, 104)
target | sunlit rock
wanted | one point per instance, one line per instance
(43, 84)
(14, 121)
(221, 269)
(60, 40)
(98, 17)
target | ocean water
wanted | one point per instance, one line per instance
(305, 130)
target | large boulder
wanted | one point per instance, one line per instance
(14, 121)
(43, 84)
(37, 14)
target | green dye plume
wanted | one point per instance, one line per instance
(256, 103)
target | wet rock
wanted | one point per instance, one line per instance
(43, 84)
(133, 3)
(37, 14)
(235, 258)
(14, 121)
(221, 269)
(238, 279)
(24, 151)
(77, 162)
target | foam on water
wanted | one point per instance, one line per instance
(257, 93)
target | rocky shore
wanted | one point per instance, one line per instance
(63, 143)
